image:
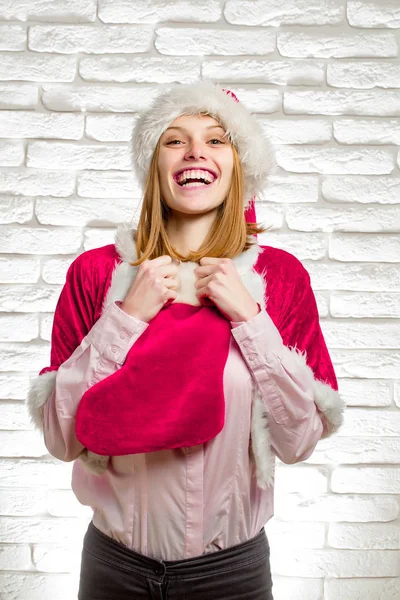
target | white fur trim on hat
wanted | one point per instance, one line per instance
(245, 132)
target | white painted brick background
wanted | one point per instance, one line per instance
(323, 77)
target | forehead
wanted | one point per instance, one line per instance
(195, 122)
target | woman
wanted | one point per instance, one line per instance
(170, 380)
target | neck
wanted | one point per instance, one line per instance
(188, 232)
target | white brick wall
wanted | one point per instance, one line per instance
(324, 78)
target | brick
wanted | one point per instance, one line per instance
(379, 190)
(385, 536)
(19, 269)
(289, 478)
(361, 335)
(365, 392)
(20, 95)
(28, 444)
(27, 298)
(292, 131)
(292, 12)
(369, 304)
(190, 41)
(12, 37)
(364, 248)
(290, 188)
(336, 563)
(34, 240)
(371, 277)
(23, 503)
(15, 210)
(18, 328)
(280, 72)
(335, 508)
(110, 184)
(37, 67)
(11, 153)
(363, 589)
(271, 216)
(27, 124)
(370, 422)
(359, 131)
(110, 128)
(55, 269)
(145, 11)
(76, 213)
(282, 534)
(35, 474)
(98, 237)
(357, 450)
(63, 503)
(98, 98)
(373, 13)
(335, 160)
(361, 363)
(77, 156)
(14, 416)
(56, 558)
(363, 75)
(140, 70)
(323, 44)
(14, 386)
(46, 327)
(366, 480)
(70, 39)
(397, 393)
(357, 219)
(35, 531)
(13, 586)
(36, 183)
(301, 245)
(342, 102)
(15, 557)
(56, 10)
(295, 588)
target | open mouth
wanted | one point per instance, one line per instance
(194, 179)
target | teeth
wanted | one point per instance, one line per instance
(195, 174)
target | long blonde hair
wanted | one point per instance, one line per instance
(229, 235)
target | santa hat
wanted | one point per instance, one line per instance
(244, 130)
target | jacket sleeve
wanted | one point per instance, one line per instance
(82, 354)
(294, 374)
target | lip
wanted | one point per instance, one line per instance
(177, 173)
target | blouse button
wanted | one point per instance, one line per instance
(114, 349)
(252, 357)
(123, 335)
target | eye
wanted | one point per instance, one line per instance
(213, 140)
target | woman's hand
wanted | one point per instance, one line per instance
(153, 287)
(218, 281)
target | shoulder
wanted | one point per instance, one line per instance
(95, 262)
(276, 263)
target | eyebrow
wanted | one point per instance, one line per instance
(184, 129)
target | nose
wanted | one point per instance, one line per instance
(196, 151)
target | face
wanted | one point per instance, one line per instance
(195, 147)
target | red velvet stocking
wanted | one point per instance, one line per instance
(169, 391)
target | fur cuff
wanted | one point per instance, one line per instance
(328, 400)
(331, 406)
(39, 392)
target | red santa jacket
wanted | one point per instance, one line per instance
(277, 281)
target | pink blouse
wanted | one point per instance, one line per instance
(180, 503)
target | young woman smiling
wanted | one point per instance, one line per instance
(185, 357)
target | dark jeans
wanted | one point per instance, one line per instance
(111, 571)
